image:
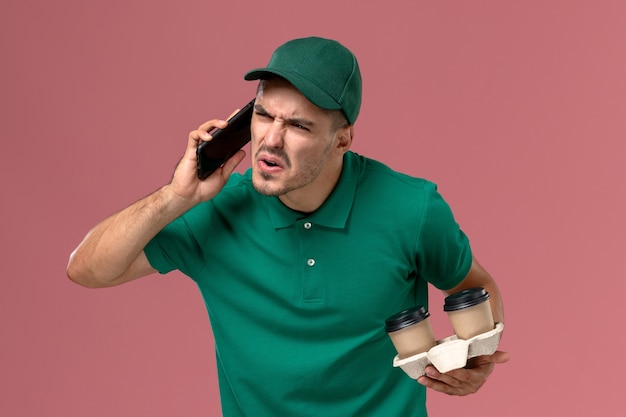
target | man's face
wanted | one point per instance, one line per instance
(296, 151)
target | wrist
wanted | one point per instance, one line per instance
(172, 203)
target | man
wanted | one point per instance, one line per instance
(302, 258)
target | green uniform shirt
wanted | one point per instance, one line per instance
(297, 302)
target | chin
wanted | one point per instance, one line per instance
(265, 186)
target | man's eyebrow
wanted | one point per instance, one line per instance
(300, 122)
(259, 108)
(291, 120)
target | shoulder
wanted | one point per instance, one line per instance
(379, 177)
(383, 193)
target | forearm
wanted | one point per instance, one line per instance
(470, 378)
(110, 248)
(479, 277)
(495, 300)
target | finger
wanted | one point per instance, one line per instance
(206, 127)
(200, 136)
(232, 114)
(476, 375)
(211, 124)
(501, 357)
(448, 384)
(449, 378)
(463, 381)
(202, 133)
(232, 162)
(496, 358)
(440, 386)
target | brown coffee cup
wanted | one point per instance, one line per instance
(469, 312)
(410, 331)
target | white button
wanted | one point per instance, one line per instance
(310, 262)
(307, 225)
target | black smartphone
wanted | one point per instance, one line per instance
(225, 142)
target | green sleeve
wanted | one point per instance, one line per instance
(444, 256)
(175, 247)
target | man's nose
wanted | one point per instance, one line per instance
(274, 136)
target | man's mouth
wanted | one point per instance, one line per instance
(270, 165)
(271, 162)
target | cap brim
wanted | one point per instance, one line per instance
(310, 90)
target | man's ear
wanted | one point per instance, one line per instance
(344, 138)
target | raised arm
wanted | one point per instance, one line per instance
(112, 252)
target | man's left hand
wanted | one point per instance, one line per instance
(466, 380)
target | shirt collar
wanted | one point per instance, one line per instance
(333, 212)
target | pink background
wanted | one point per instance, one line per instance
(517, 109)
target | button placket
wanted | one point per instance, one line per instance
(312, 287)
(307, 226)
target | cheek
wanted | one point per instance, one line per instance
(254, 132)
(308, 157)
(256, 135)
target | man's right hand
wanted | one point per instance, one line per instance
(185, 182)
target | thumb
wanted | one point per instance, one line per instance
(230, 165)
(500, 357)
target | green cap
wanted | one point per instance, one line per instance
(323, 70)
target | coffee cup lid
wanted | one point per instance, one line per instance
(406, 318)
(464, 299)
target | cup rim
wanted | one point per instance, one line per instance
(406, 318)
(465, 298)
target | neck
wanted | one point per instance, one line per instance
(311, 197)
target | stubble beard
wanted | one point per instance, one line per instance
(309, 174)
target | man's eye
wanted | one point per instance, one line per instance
(300, 127)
